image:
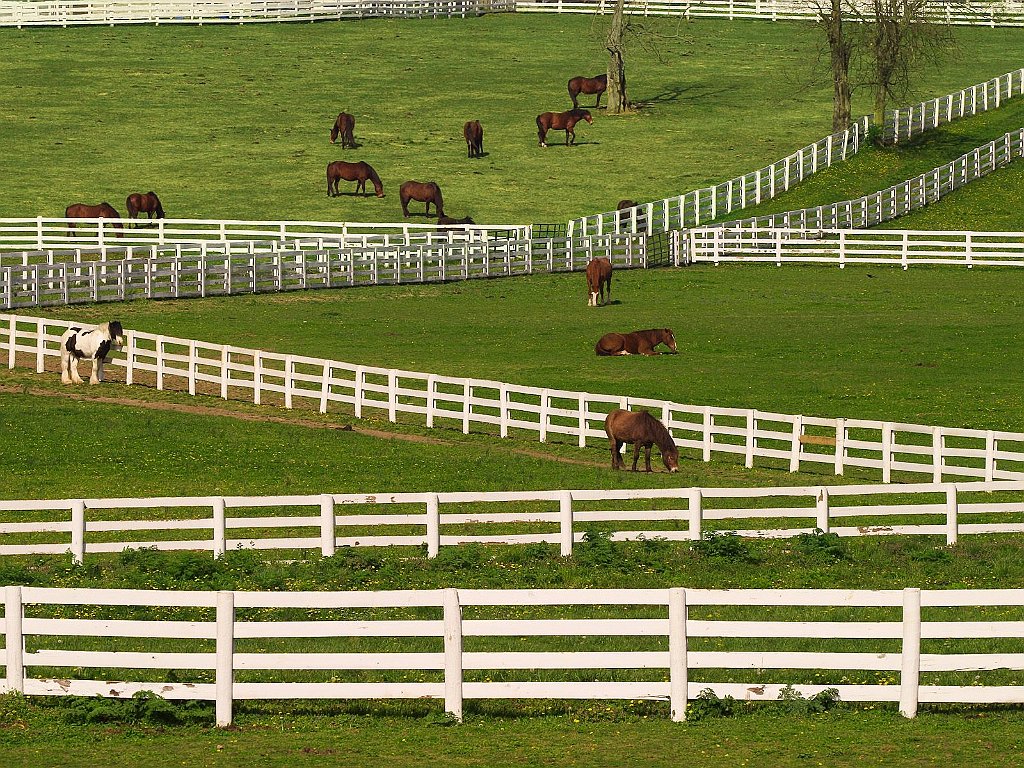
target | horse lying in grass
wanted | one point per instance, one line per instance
(642, 430)
(77, 344)
(635, 343)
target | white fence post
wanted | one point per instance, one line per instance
(452, 654)
(887, 440)
(695, 498)
(938, 444)
(794, 455)
(678, 668)
(433, 525)
(751, 439)
(990, 456)
(910, 668)
(565, 523)
(225, 685)
(219, 527)
(328, 541)
(840, 445)
(821, 510)
(14, 644)
(78, 531)
(952, 513)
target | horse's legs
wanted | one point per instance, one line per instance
(541, 135)
(636, 454)
(616, 458)
(75, 378)
(65, 366)
(97, 371)
(647, 456)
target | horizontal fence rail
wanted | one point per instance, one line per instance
(65, 13)
(719, 245)
(559, 518)
(37, 279)
(452, 402)
(906, 647)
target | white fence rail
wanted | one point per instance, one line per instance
(989, 14)
(559, 518)
(718, 245)
(216, 269)
(908, 647)
(444, 401)
(66, 13)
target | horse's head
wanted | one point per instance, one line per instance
(116, 333)
(586, 116)
(671, 458)
(669, 339)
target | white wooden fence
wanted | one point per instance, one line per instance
(989, 14)
(66, 13)
(216, 269)
(710, 203)
(909, 646)
(718, 245)
(559, 518)
(444, 401)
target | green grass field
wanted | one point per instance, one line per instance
(234, 121)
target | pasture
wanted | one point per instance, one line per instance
(234, 122)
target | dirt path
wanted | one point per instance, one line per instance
(266, 418)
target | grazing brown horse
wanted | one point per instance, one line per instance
(624, 204)
(580, 85)
(560, 121)
(357, 172)
(148, 204)
(344, 125)
(450, 220)
(635, 343)
(599, 276)
(474, 133)
(423, 191)
(642, 430)
(102, 211)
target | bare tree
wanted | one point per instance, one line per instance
(840, 48)
(617, 102)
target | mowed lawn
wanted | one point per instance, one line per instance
(233, 121)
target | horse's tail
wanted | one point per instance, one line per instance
(540, 130)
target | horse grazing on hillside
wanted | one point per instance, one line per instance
(423, 191)
(102, 211)
(147, 203)
(474, 133)
(581, 84)
(635, 343)
(344, 124)
(357, 172)
(642, 430)
(599, 277)
(94, 344)
(560, 121)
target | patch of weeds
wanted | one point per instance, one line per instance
(708, 705)
(792, 702)
(144, 708)
(724, 545)
(821, 546)
(597, 548)
(932, 555)
(13, 709)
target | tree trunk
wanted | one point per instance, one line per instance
(839, 49)
(617, 100)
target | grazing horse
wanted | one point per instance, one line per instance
(642, 430)
(474, 133)
(450, 220)
(76, 344)
(580, 85)
(635, 343)
(599, 276)
(102, 211)
(560, 121)
(357, 172)
(624, 204)
(344, 125)
(148, 204)
(423, 191)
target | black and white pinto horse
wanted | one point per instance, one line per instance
(94, 345)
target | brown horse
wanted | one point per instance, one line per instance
(357, 172)
(560, 121)
(148, 204)
(423, 191)
(624, 204)
(450, 220)
(102, 211)
(599, 275)
(635, 343)
(474, 133)
(344, 125)
(580, 85)
(642, 430)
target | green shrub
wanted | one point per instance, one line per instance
(708, 705)
(792, 702)
(821, 545)
(724, 545)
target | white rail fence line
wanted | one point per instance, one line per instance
(228, 268)
(899, 199)
(66, 13)
(709, 203)
(42, 233)
(904, 124)
(718, 245)
(559, 518)
(444, 401)
(989, 14)
(381, 645)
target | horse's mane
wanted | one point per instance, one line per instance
(659, 432)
